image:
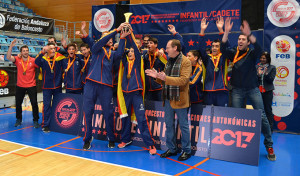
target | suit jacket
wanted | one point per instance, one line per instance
(269, 77)
(182, 82)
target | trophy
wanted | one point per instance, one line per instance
(127, 16)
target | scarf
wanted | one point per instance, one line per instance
(172, 92)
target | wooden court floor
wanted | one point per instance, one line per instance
(28, 151)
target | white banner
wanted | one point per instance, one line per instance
(283, 50)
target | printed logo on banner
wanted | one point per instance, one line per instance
(282, 72)
(67, 113)
(103, 20)
(283, 13)
(2, 20)
(4, 78)
(283, 46)
(283, 49)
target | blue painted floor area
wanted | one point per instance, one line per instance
(286, 147)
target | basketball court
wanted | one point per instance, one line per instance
(25, 150)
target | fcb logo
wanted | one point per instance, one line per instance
(283, 13)
(103, 20)
(66, 113)
(282, 72)
(4, 78)
(283, 46)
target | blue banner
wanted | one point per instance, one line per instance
(235, 135)
(185, 16)
(282, 40)
(66, 113)
(216, 132)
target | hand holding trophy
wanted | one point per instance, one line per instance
(127, 16)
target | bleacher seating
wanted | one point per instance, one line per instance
(16, 7)
(15, 49)
(34, 44)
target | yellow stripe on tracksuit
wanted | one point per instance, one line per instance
(226, 72)
(121, 100)
(198, 74)
(204, 75)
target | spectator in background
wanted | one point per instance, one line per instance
(145, 41)
(25, 82)
(57, 48)
(266, 75)
(208, 50)
(196, 93)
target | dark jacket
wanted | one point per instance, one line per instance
(268, 77)
(244, 74)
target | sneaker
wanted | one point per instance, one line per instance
(87, 144)
(152, 150)
(123, 144)
(36, 124)
(46, 129)
(111, 144)
(271, 156)
(18, 123)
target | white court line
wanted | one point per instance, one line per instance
(83, 158)
(14, 151)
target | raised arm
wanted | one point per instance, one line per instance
(245, 29)
(121, 49)
(220, 24)
(177, 36)
(228, 27)
(102, 42)
(202, 39)
(137, 54)
(9, 51)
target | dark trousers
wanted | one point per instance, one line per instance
(135, 100)
(93, 91)
(216, 98)
(20, 94)
(71, 91)
(47, 100)
(267, 99)
(154, 95)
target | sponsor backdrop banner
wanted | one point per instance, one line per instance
(25, 24)
(282, 38)
(216, 132)
(8, 79)
(154, 18)
(185, 16)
